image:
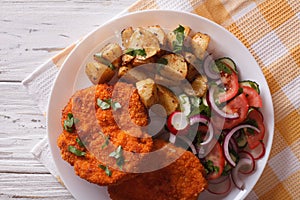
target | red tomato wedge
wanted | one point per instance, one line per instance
(237, 105)
(231, 84)
(216, 155)
(254, 99)
(254, 138)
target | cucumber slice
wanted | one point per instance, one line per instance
(228, 61)
(252, 84)
(242, 140)
(204, 100)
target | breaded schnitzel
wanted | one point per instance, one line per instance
(97, 134)
(181, 180)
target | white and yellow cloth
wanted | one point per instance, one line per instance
(270, 29)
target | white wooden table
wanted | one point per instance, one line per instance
(31, 32)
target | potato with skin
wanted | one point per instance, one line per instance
(125, 35)
(171, 36)
(199, 44)
(176, 67)
(141, 39)
(98, 73)
(111, 53)
(148, 92)
(192, 62)
(167, 99)
(131, 75)
(165, 81)
(123, 70)
(199, 86)
(159, 33)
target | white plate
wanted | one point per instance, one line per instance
(71, 78)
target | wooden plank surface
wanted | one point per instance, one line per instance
(31, 32)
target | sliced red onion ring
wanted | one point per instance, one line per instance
(218, 180)
(207, 66)
(221, 187)
(233, 144)
(227, 139)
(204, 120)
(250, 168)
(239, 183)
(189, 142)
(258, 152)
(216, 108)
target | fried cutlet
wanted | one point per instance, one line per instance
(101, 134)
(181, 180)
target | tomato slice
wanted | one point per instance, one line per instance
(254, 138)
(231, 84)
(254, 99)
(237, 105)
(216, 155)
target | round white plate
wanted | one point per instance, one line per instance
(71, 77)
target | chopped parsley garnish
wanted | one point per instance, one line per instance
(162, 61)
(79, 142)
(106, 140)
(210, 168)
(118, 155)
(70, 122)
(105, 168)
(108, 103)
(75, 151)
(100, 58)
(136, 52)
(240, 91)
(178, 43)
(253, 123)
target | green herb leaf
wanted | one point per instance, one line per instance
(118, 155)
(75, 151)
(69, 123)
(108, 103)
(105, 168)
(99, 58)
(136, 52)
(162, 61)
(115, 105)
(106, 142)
(178, 44)
(104, 105)
(79, 142)
(179, 29)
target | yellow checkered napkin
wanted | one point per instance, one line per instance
(270, 29)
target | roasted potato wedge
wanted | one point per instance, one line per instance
(143, 39)
(171, 37)
(125, 35)
(137, 62)
(199, 86)
(98, 73)
(165, 81)
(123, 70)
(148, 92)
(159, 33)
(176, 67)
(199, 44)
(167, 99)
(110, 54)
(134, 75)
(192, 62)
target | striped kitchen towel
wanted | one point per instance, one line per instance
(270, 29)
